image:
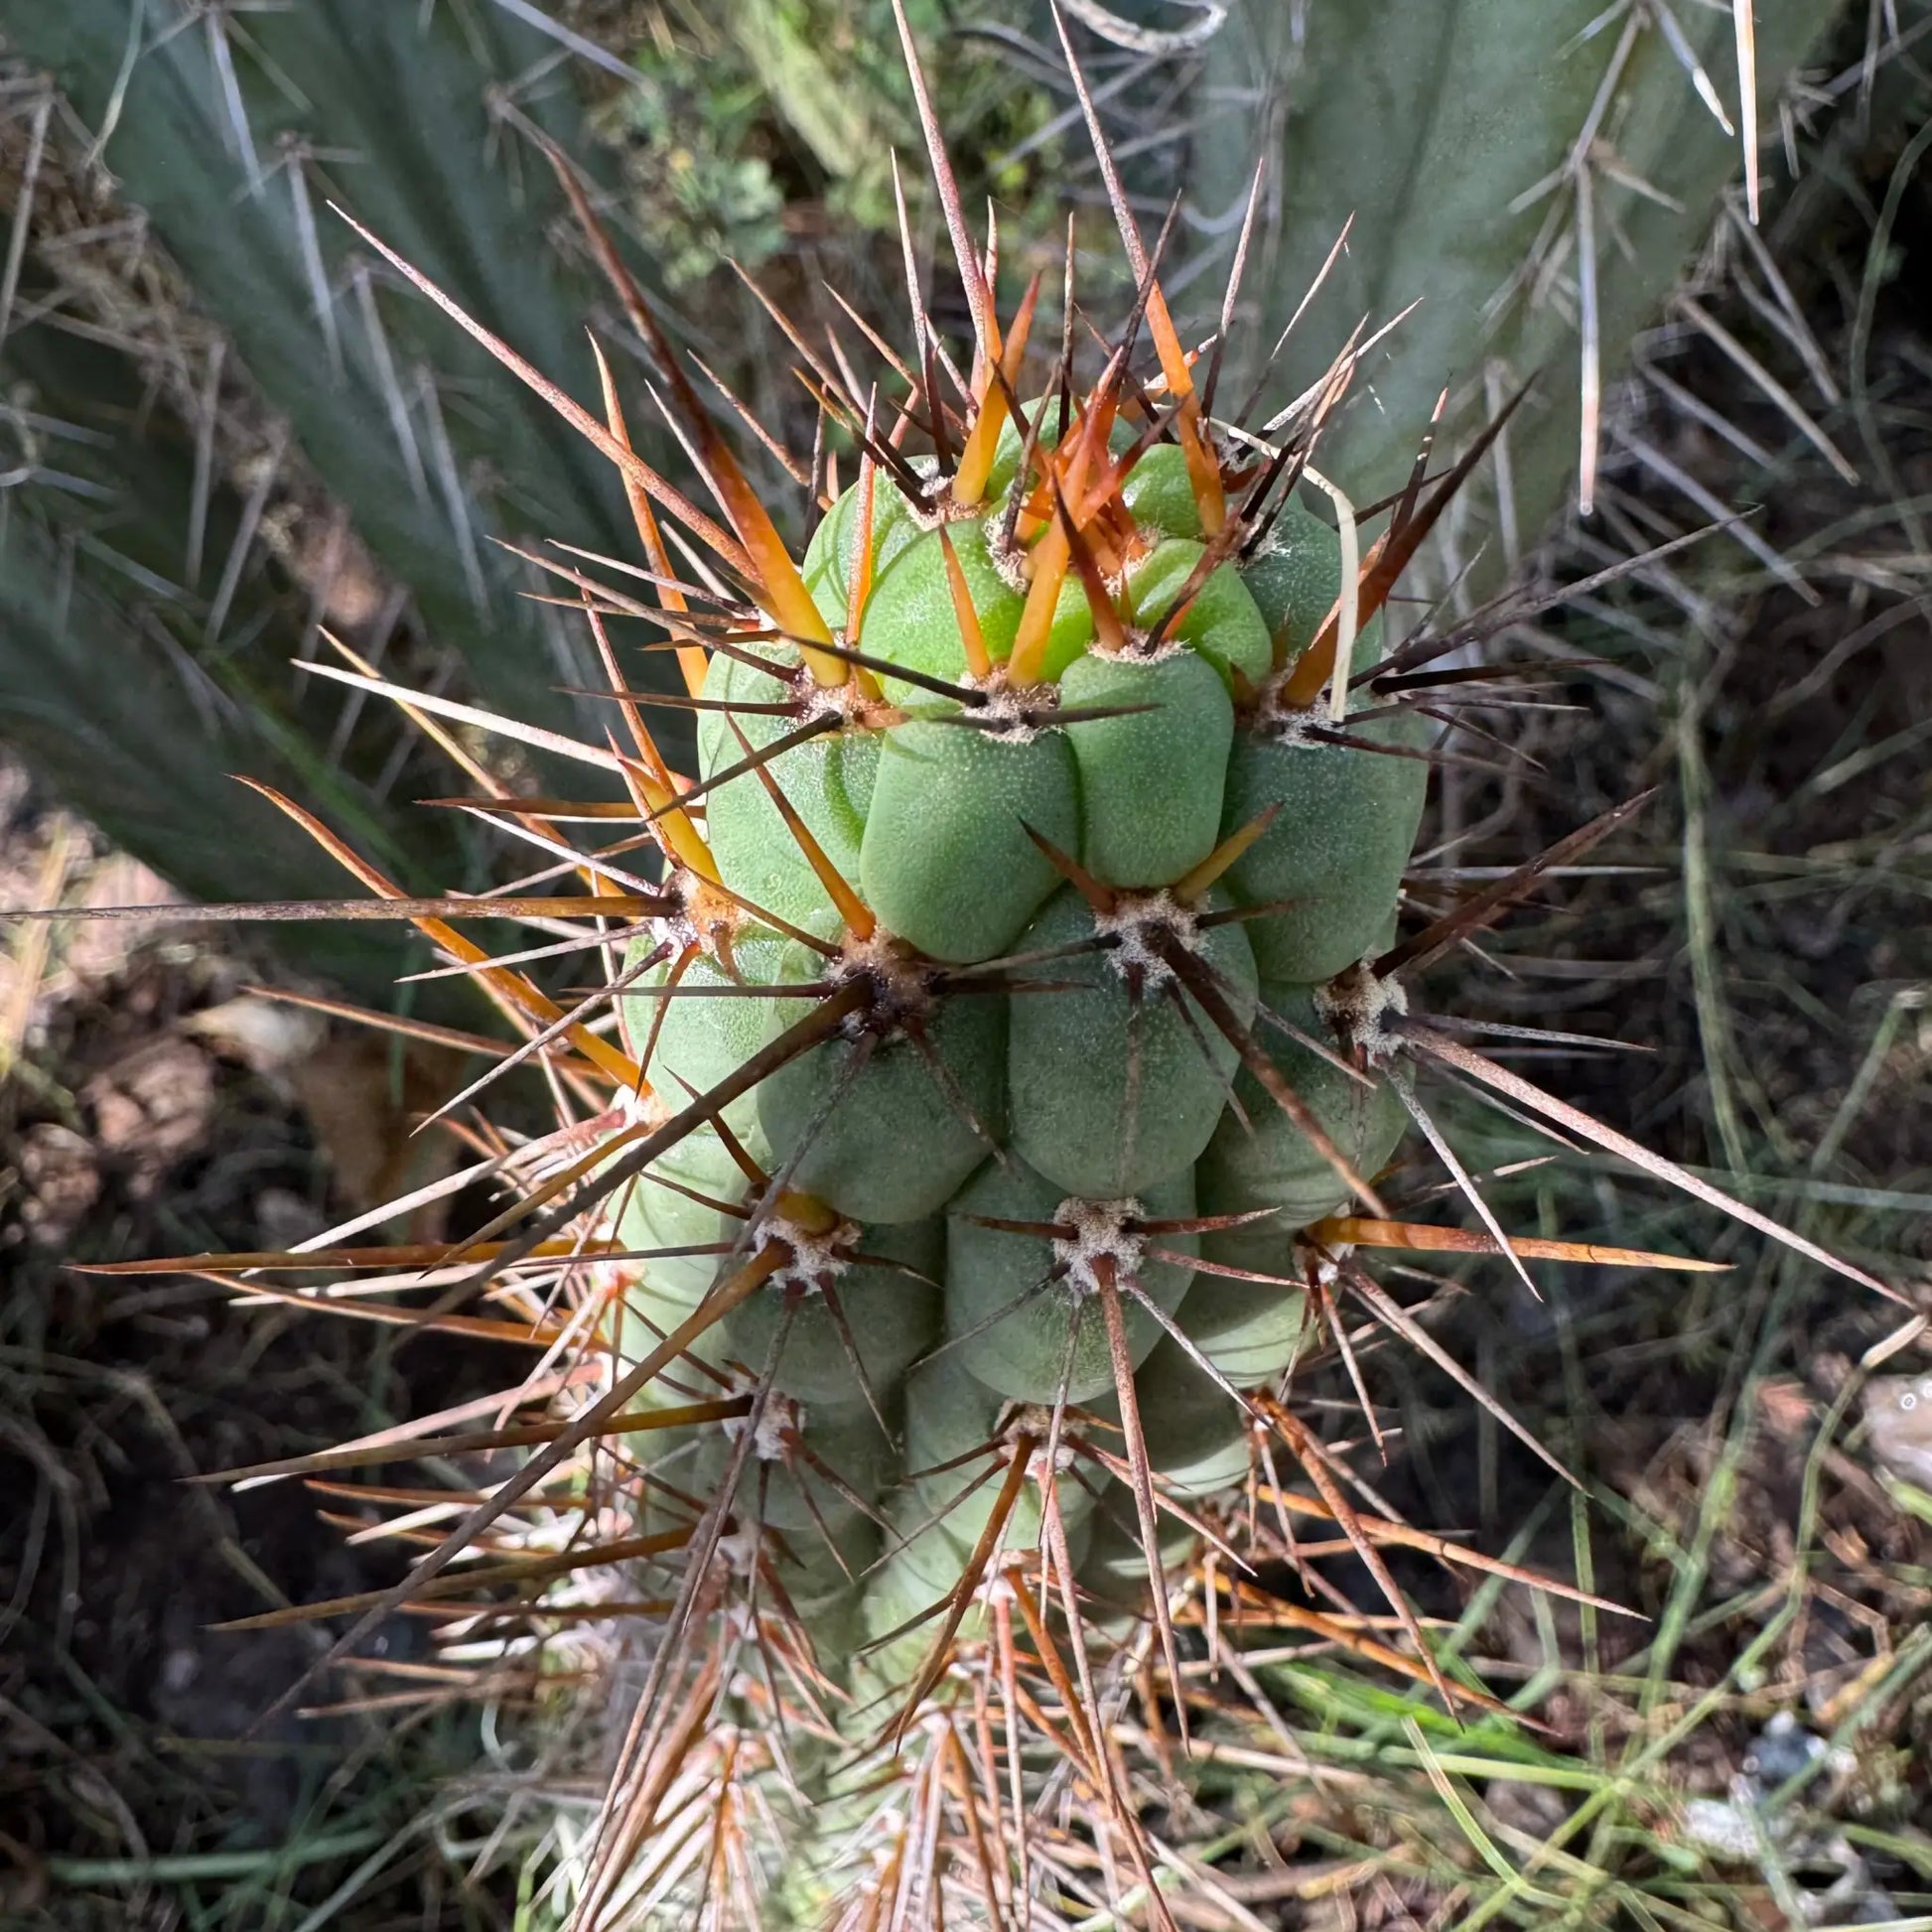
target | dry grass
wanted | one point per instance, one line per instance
(1756, 1756)
(136, 1116)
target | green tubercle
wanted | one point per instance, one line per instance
(1159, 493)
(1151, 800)
(826, 779)
(1198, 1438)
(1261, 1159)
(946, 861)
(1338, 849)
(885, 1125)
(1022, 1311)
(886, 1286)
(1221, 621)
(1112, 1091)
(784, 1488)
(953, 1439)
(1295, 580)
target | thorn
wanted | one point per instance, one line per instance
(469, 713)
(510, 987)
(783, 596)
(973, 1571)
(1236, 271)
(858, 917)
(1483, 909)
(1314, 1460)
(1451, 1052)
(813, 727)
(1745, 29)
(1203, 467)
(1348, 608)
(1398, 1321)
(962, 694)
(983, 442)
(1199, 981)
(1102, 899)
(978, 665)
(1389, 558)
(1142, 1482)
(860, 596)
(1110, 631)
(1195, 886)
(1051, 559)
(691, 660)
(579, 419)
(1420, 1238)
(978, 298)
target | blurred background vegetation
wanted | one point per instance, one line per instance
(229, 434)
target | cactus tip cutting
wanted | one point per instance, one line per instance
(980, 1124)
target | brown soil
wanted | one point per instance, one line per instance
(150, 1111)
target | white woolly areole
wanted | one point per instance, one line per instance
(781, 1415)
(1096, 1231)
(1324, 1263)
(1009, 559)
(738, 1623)
(1013, 717)
(1133, 648)
(1037, 1420)
(1358, 1005)
(817, 1259)
(1292, 729)
(680, 930)
(936, 512)
(641, 1109)
(739, 1550)
(999, 1585)
(929, 512)
(901, 984)
(845, 702)
(1131, 921)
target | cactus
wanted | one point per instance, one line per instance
(1009, 1051)
(230, 133)
(140, 687)
(1572, 154)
